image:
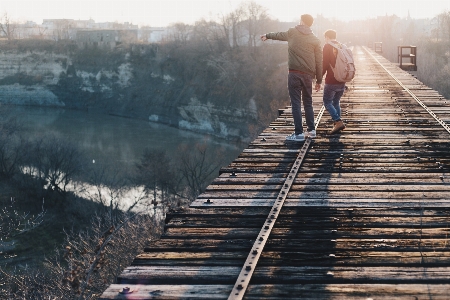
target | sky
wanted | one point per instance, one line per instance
(158, 13)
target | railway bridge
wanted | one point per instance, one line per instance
(364, 214)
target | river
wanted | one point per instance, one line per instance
(109, 140)
(113, 139)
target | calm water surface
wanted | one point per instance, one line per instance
(114, 140)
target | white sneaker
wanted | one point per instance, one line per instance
(311, 134)
(296, 137)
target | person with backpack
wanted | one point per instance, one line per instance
(305, 64)
(339, 66)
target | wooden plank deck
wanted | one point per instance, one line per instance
(366, 215)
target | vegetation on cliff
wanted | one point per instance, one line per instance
(210, 72)
(213, 76)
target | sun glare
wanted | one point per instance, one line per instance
(164, 12)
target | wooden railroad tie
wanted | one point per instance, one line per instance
(363, 214)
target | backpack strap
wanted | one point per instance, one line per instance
(335, 45)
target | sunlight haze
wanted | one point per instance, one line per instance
(165, 12)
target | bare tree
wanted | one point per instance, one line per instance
(180, 32)
(444, 25)
(7, 26)
(13, 222)
(87, 263)
(51, 163)
(61, 31)
(12, 149)
(231, 24)
(154, 171)
(25, 283)
(211, 34)
(229, 72)
(41, 32)
(197, 167)
(86, 254)
(111, 186)
(255, 17)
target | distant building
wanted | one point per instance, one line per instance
(28, 30)
(84, 24)
(152, 34)
(158, 34)
(115, 25)
(59, 29)
(108, 38)
(52, 24)
(89, 33)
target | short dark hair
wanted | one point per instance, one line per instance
(330, 33)
(307, 19)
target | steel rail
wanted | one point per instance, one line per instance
(243, 280)
(446, 127)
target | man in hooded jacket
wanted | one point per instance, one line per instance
(305, 65)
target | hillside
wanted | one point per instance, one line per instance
(227, 94)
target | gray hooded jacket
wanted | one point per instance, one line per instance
(304, 49)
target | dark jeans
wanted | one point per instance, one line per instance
(300, 89)
(332, 94)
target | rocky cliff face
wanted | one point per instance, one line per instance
(25, 78)
(140, 82)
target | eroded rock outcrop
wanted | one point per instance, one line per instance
(140, 82)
